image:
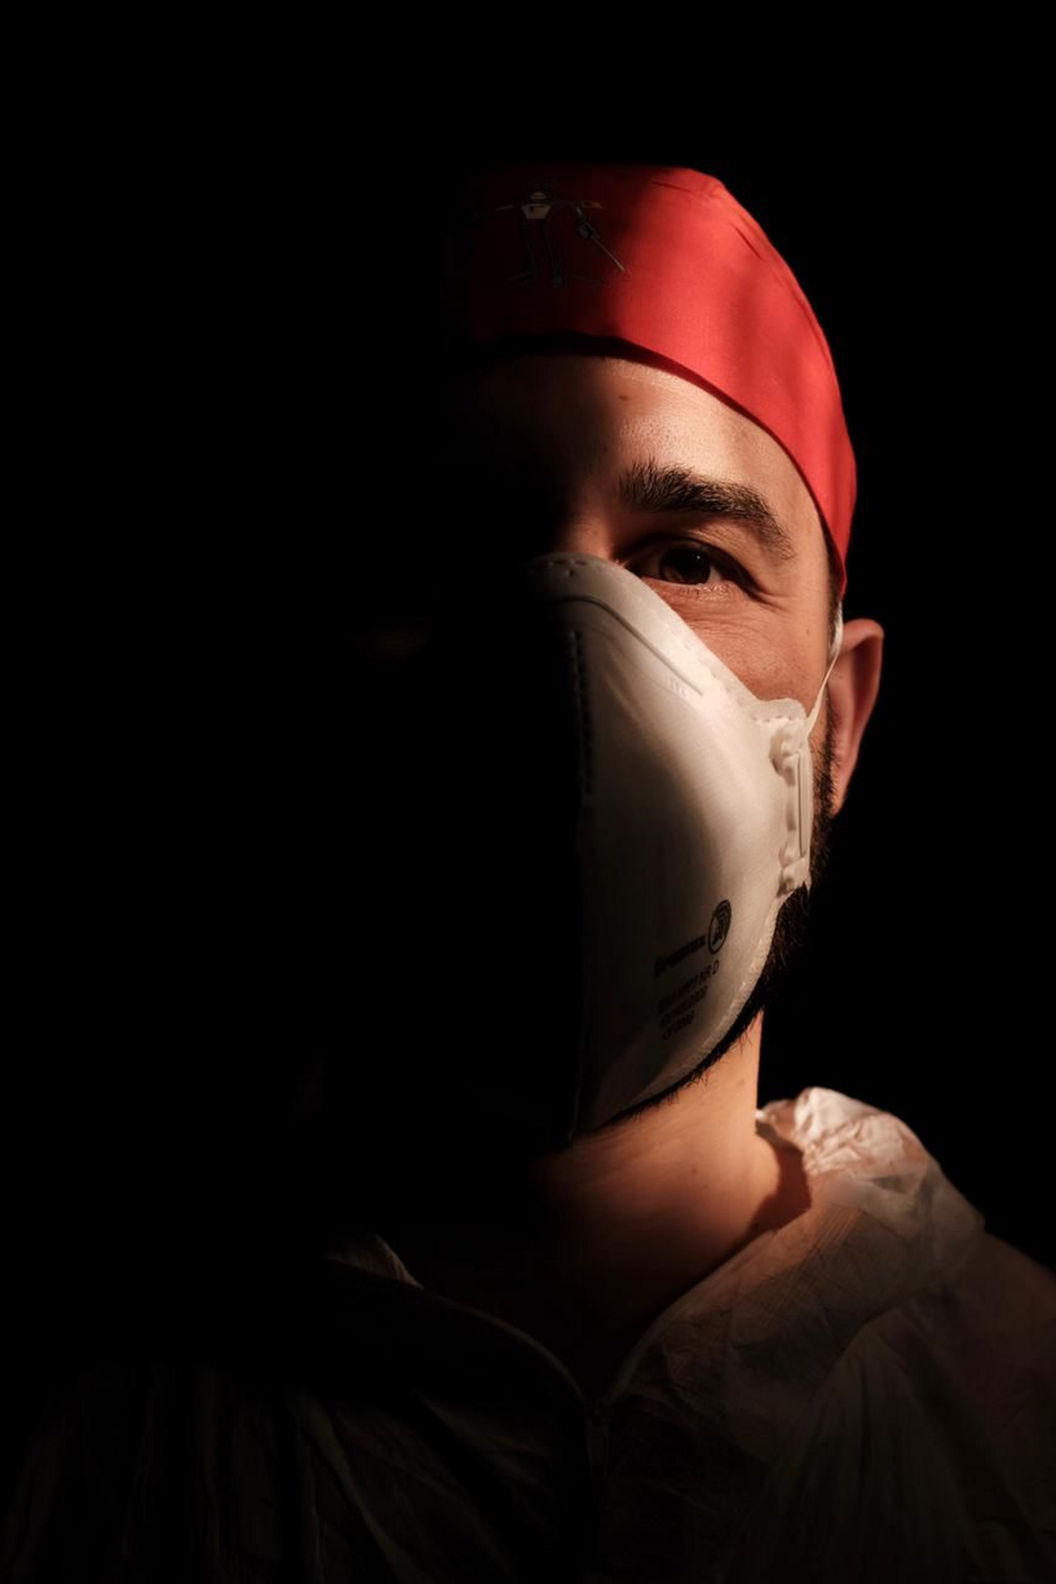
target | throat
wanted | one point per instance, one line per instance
(590, 1306)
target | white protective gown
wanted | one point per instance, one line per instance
(866, 1395)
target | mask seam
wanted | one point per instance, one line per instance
(586, 731)
(585, 740)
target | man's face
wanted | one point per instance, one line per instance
(567, 452)
(629, 462)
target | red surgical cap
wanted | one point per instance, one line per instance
(661, 264)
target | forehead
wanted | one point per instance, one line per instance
(584, 420)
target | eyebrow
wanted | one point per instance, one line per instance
(652, 486)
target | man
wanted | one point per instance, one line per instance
(606, 1318)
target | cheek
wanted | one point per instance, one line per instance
(758, 646)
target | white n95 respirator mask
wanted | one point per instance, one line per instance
(599, 825)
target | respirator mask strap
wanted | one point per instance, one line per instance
(834, 655)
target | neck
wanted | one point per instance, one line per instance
(598, 1238)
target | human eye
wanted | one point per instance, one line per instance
(692, 567)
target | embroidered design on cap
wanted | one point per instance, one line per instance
(536, 209)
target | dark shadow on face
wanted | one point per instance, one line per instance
(392, 1124)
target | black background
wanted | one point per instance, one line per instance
(232, 373)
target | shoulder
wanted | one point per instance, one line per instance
(927, 1451)
(964, 1376)
(989, 1334)
(995, 1316)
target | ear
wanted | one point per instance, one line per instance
(853, 686)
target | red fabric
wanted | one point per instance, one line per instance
(663, 263)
